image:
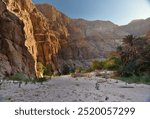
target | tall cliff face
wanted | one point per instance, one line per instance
(22, 9)
(40, 39)
(100, 36)
(82, 41)
(14, 55)
(57, 20)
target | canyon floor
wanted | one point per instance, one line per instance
(68, 89)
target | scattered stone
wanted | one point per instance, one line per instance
(77, 84)
(106, 98)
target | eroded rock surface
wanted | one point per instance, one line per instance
(137, 27)
(82, 41)
(14, 55)
(40, 39)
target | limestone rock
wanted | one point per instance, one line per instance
(14, 56)
(41, 41)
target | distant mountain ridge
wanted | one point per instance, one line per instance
(137, 27)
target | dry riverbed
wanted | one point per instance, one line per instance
(68, 89)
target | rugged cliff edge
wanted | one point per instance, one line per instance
(14, 55)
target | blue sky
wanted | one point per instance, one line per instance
(118, 11)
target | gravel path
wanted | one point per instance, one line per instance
(68, 89)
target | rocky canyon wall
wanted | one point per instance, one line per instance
(41, 41)
(32, 33)
(81, 40)
(14, 55)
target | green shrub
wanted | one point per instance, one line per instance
(98, 65)
(65, 69)
(48, 70)
(19, 77)
(145, 78)
(40, 67)
(41, 80)
(112, 63)
(127, 69)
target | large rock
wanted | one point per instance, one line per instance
(14, 55)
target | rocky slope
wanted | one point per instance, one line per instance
(137, 27)
(83, 40)
(148, 34)
(14, 55)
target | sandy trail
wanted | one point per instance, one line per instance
(68, 89)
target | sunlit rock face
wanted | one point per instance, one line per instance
(82, 41)
(22, 9)
(14, 55)
(41, 41)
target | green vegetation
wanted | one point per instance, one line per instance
(40, 67)
(136, 79)
(48, 70)
(20, 78)
(112, 63)
(44, 71)
(134, 55)
(65, 69)
(98, 65)
(131, 60)
(41, 80)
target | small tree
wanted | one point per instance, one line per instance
(40, 69)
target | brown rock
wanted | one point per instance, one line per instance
(82, 41)
(14, 56)
(41, 41)
(137, 27)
